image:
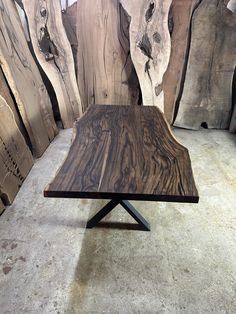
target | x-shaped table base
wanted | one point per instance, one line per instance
(127, 206)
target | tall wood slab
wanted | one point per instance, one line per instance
(53, 51)
(15, 156)
(207, 93)
(24, 80)
(106, 74)
(181, 14)
(6, 94)
(69, 18)
(150, 45)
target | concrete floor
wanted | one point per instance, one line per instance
(187, 264)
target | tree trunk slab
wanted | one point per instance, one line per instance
(180, 20)
(15, 157)
(207, 93)
(150, 45)
(54, 54)
(106, 74)
(24, 80)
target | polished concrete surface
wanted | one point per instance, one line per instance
(49, 263)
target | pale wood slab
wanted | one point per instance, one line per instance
(53, 51)
(24, 80)
(6, 94)
(69, 18)
(207, 93)
(181, 14)
(150, 45)
(106, 74)
(15, 157)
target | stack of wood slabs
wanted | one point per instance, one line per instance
(24, 80)
(207, 92)
(106, 74)
(15, 157)
(53, 51)
(150, 45)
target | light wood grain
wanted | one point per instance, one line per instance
(125, 152)
(106, 74)
(150, 45)
(15, 156)
(207, 93)
(180, 21)
(53, 51)
(24, 79)
(6, 94)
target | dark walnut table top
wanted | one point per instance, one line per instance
(125, 152)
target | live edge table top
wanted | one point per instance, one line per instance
(125, 152)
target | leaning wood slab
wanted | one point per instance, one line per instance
(53, 51)
(150, 45)
(125, 152)
(180, 20)
(6, 94)
(15, 156)
(106, 74)
(207, 93)
(24, 80)
(69, 18)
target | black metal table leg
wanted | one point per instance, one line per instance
(102, 213)
(136, 215)
(127, 206)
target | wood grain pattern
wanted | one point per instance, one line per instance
(6, 94)
(106, 74)
(24, 80)
(207, 93)
(15, 156)
(150, 45)
(53, 51)
(125, 152)
(181, 14)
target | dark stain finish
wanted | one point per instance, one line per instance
(125, 152)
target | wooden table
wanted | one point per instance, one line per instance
(124, 153)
